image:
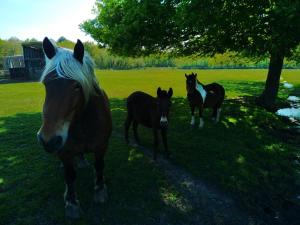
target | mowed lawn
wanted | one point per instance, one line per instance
(245, 155)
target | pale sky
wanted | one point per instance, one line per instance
(40, 18)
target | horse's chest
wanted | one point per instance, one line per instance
(84, 137)
(195, 98)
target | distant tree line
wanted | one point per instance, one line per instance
(104, 59)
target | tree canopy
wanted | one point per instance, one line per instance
(260, 28)
(132, 27)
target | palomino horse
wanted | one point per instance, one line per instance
(204, 96)
(150, 112)
(76, 116)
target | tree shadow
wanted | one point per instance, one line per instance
(32, 185)
(249, 88)
(241, 154)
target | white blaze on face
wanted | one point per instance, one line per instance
(63, 131)
(163, 119)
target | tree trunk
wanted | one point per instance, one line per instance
(268, 98)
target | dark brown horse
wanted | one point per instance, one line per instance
(150, 112)
(204, 96)
(76, 117)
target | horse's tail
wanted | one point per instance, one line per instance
(216, 89)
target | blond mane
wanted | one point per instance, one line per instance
(66, 66)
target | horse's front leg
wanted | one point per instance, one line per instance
(193, 115)
(165, 142)
(155, 139)
(100, 187)
(218, 115)
(201, 123)
(82, 161)
(72, 208)
(135, 132)
(214, 114)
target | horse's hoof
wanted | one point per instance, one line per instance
(83, 163)
(135, 145)
(100, 195)
(72, 211)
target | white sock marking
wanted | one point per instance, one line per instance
(193, 120)
(201, 124)
(218, 114)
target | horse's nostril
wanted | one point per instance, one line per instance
(56, 142)
(164, 123)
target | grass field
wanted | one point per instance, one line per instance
(244, 155)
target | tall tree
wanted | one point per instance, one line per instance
(256, 28)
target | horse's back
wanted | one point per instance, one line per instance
(140, 98)
(140, 107)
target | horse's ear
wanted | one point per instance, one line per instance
(158, 91)
(79, 51)
(48, 48)
(186, 76)
(170, 92)
(195, 75)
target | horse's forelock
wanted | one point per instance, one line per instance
(66, 66)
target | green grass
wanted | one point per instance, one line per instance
(119, 84)
(244, 155)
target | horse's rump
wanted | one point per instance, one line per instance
(215, 88)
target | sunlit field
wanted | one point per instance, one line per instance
(246, 155)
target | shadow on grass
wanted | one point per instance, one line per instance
(296, 91)
(241, 154)
(248, 88)
(32, 186)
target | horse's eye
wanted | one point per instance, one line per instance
(77, 87)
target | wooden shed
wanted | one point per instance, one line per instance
(29, 66)
(34, 59)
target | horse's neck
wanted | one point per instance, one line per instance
(90, 111)
(199, 83)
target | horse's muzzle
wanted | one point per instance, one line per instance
(163, 122)
(54, 145)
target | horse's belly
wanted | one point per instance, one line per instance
(145, 122)
(210, 101)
